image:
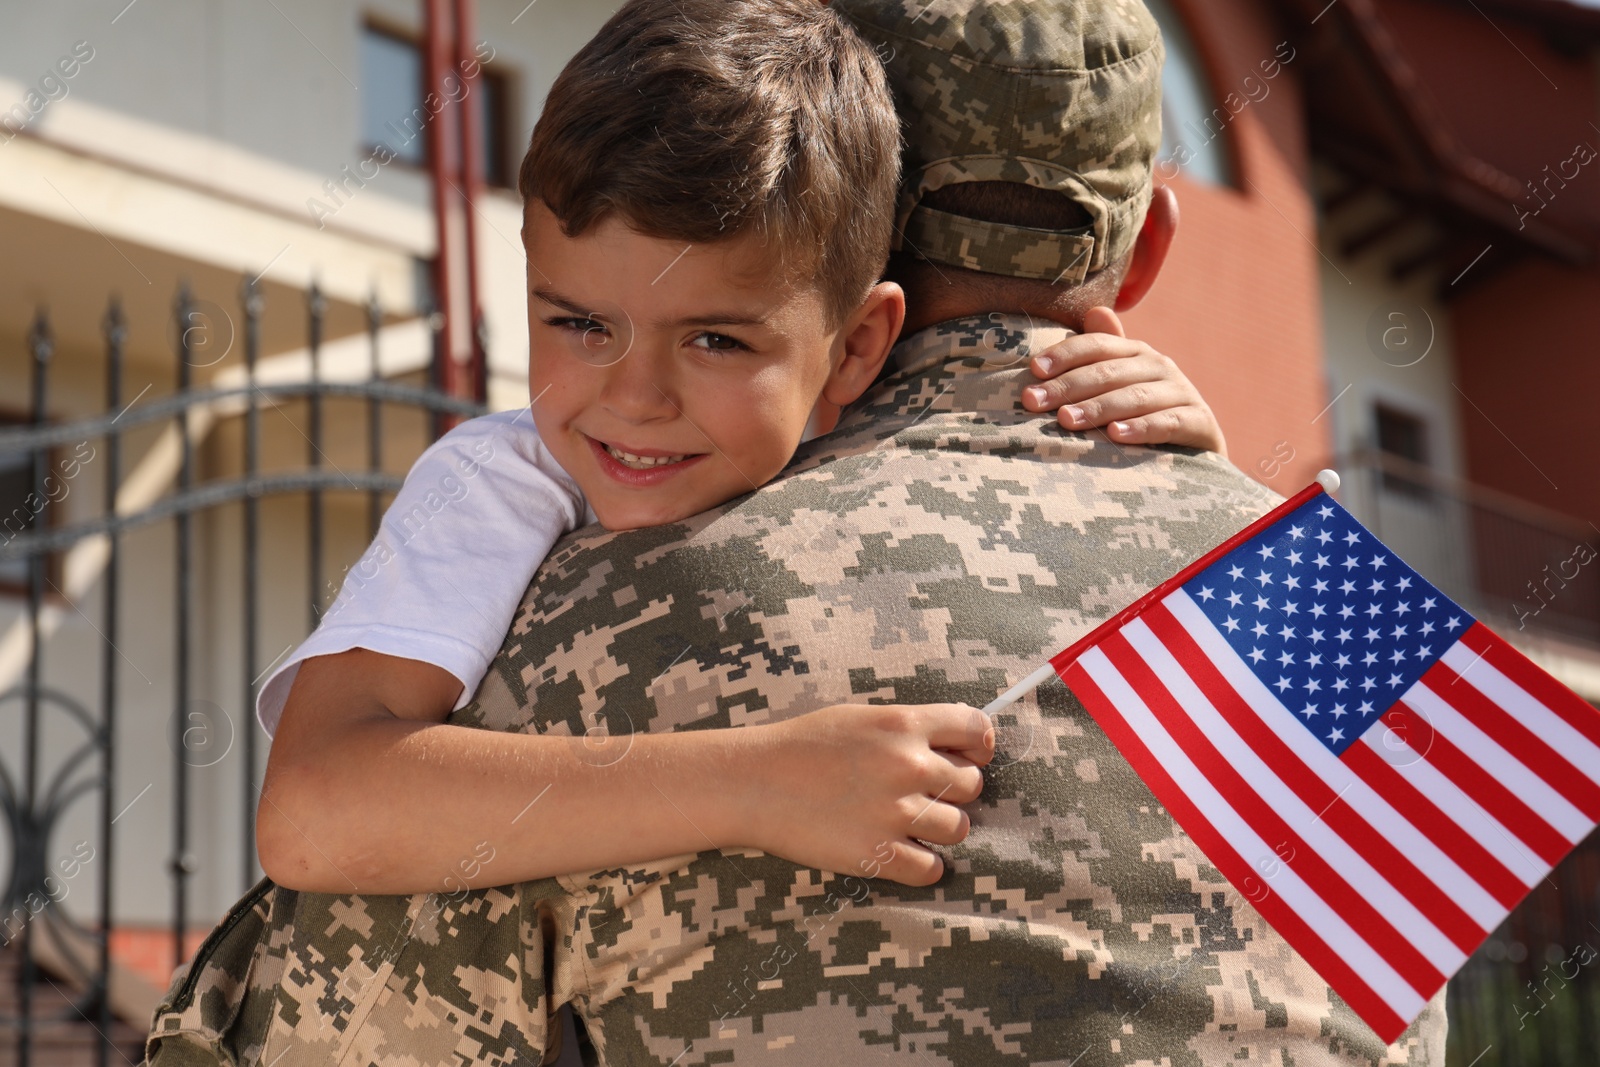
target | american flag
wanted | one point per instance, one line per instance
(1382, 776)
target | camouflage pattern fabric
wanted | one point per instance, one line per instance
(941, 544)
(1061, 94)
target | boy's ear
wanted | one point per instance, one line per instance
(868, 335)
(1150, 247)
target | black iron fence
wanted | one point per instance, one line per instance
(34, 797)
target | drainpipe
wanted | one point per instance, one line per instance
(454, 154)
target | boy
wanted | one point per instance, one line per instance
(710, 196)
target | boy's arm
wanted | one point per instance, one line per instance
(1101, 377)
(367, 790)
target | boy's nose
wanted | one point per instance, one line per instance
(638, 388)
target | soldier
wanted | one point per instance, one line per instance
(939, 545)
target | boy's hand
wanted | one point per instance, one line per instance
(855, 789)
(1103, 378)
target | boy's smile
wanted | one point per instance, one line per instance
(670, 378)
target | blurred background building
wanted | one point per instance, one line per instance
(1386, 265)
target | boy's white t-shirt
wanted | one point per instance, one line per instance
(478, 513)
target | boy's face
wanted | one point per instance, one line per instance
(668, 379)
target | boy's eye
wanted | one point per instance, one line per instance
(719, 342)
(576, 324)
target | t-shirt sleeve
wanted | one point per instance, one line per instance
(454, 554)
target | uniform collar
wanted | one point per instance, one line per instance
(996, 341)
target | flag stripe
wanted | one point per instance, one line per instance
(1339, 873)
(1477, 671)
(1261, 815)
(1467, 815)
(1453, 861)
(1484, 750)
(1525, 824)
(1382, 999)
(1551, 694)
(1521, 741)
(1289, 770)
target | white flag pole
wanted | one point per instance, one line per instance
(1329, 480)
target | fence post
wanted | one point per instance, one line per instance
(116, 334)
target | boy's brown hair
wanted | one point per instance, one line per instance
(703, 120)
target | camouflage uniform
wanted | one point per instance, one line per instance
(941, 544)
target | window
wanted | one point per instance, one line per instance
(392, 114)
(1405, 437)
(1191, 120)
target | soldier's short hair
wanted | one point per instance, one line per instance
(703, 120)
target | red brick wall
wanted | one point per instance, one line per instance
(1528, 356)
(1238, 304)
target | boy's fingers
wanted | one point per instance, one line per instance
(913, 865)
(940, 824)
(1093, 379)
(1083, 349)
(960, 781)
(1186, 425)
(1125, 402)
(1103, 320)
(957, 727)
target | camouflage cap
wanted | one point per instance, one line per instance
(1060, 94)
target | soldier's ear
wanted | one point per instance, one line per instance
(1150, 248)
(866, 338)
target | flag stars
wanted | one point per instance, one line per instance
(1256, 655)
(1374, 610)
(1344, 635)
(1425, 652)
(1453, 623)
(1335, 735)
(1346, 611)
(1321, 561)
(1371, 634)
(1234, 600)
(1376, 586)
(1342, 660)
(1351, 538)
(1265, 577)
(1309, 710)
(1314, 660)
(1319, 586)
(1367, 684)
(1291, 582)
(1232, 624)
(1290, 608)
(1326, 511)
(1285, 660)
(1259, 629)
(1398, 656)
(1350, 563)
(1427, 628)
(1262, 603)
(1294, 559)
(1207, 595)
(1315, 637)
(1318, 611)
(1340, 685)
(1236, 572)
(1323, 536)
(1296, 532)
(1369, 659)
(1379, 562)
(1337, 711)
(1287, 633)
(1265, 552)
(1399, 631)
(1395, 679)
(1404, 583)
(1347, 586)
(1282, 683)
(1402, 608)
(1429, 604)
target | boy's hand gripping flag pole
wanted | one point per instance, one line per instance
(1379, 774)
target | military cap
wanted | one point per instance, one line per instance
(1060, 94)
